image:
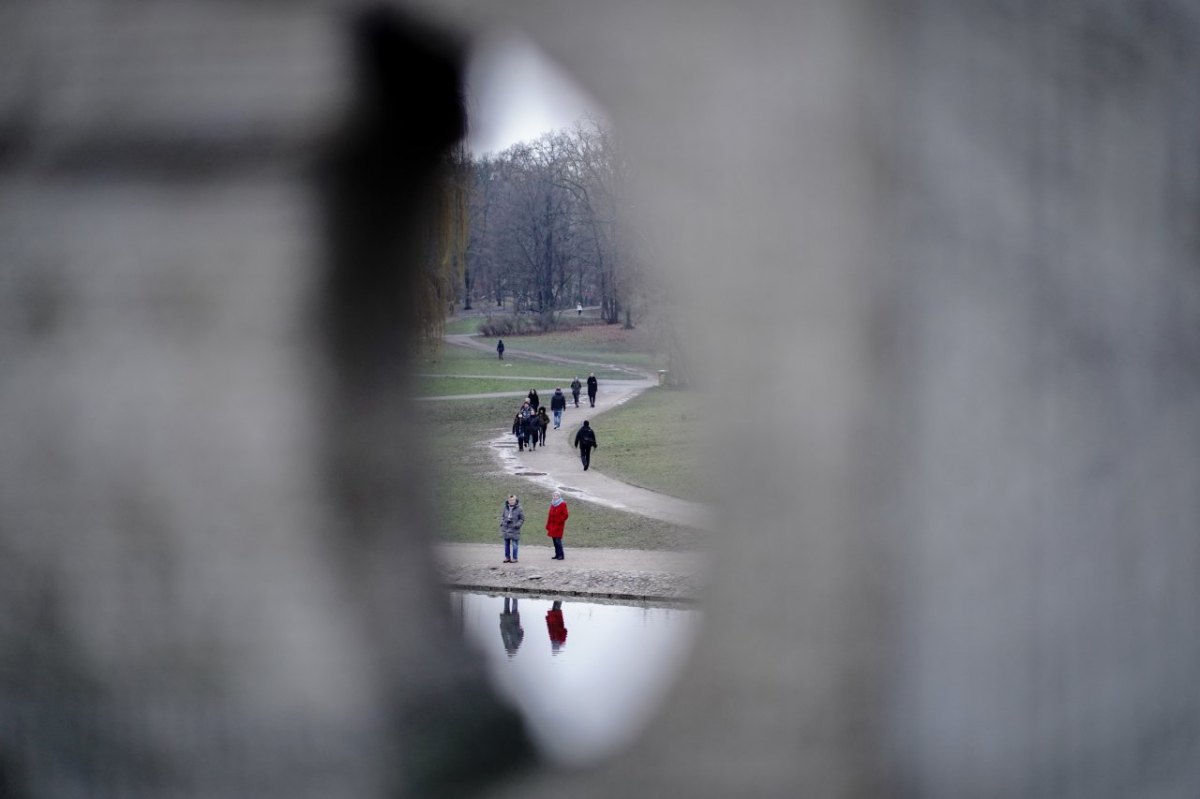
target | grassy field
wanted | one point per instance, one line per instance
(466, 324)
(470, 489)
(608, 344)
(654, 441)
(451, 361)
(445, 386)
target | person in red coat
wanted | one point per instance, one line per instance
(555, 523)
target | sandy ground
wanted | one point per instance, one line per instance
(610, 573)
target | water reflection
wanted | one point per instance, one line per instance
(556, 627)
(511, 631)
(584, 701)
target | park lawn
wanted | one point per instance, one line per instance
(465, 324)
(655, 441)
(607, 344)
(448, 386)
(469, 489)
(451, 361)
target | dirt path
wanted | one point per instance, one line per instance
(613, 573)
(630, 574)
(557, 465)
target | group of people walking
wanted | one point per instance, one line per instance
(512, 518)
(531, 421)
(529, 426)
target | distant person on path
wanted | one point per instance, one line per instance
(592, 389)
(534, 402)
(533, 429)
(543, 423)
(556, 627)
(579, 309)
(555, 522)
(558, 404)
(585, 440)
(518, 430)
(500, 348)
(511, 631)
(511, 519)
(576, 386)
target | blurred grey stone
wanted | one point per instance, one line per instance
(952, 247)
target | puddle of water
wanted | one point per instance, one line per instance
(587, 676)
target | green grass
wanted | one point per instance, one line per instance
(450, 361)
(446, 386)
(465, 324)
(655, 441)
(609, 344)
(469, 489)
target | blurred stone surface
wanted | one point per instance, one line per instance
(955, 245)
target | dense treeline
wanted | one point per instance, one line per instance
(536, 229)
(546, 227)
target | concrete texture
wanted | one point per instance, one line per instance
(945, 250)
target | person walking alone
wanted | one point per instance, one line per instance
(558, 404)
(591, 383)
(585, 440)
(500, 348)
(556, 521)
(534, 402)
(576, 386)
(511, 519)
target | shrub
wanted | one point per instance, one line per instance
(523, 325)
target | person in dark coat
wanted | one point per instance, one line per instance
(534, 402)
(511, 519)
(576, 387)
(585, 440)
(543, 423)
(511, 631)
(591, 383)
(558, 404)
(500, 348)
(556, 627)
(556, 522)
(533, 430)
(518, 430)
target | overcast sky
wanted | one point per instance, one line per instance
(515, 93)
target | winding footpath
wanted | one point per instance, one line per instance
(610, 573)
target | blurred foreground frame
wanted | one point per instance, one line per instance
(954, 247)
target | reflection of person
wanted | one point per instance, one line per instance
(555, 626)
(591, 384)
(500, 348)
(511, 519)
(585, 440)
(511, 632)
(555, 522)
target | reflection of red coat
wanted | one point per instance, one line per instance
(557, 520)
(556, 627)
